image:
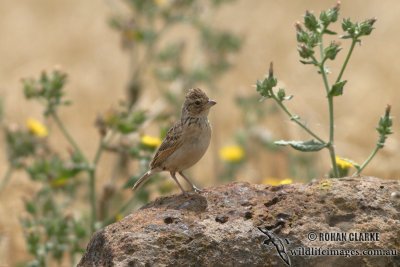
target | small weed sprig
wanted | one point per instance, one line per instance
(48, 90)
(310, 41)
(384, 129)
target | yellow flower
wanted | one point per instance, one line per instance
(159, 2)
(344, 163)
(286, 181)
(233, 153)
(271, 181)
(118, 217)
(36, 127)
(59, 182)
(276, 181)
(150, 141)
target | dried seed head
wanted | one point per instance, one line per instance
(387, 111)
(271, 69)
(372, 21)
(297, 24)
(101, 125)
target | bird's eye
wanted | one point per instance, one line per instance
(197, 102)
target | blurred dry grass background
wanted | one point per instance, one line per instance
(39, 34)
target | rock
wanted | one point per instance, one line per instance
(239, 224)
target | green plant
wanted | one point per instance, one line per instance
(255, 139)
(57, 225)
(49, 230)
(145, 32)
(310, 41)
(51, 227)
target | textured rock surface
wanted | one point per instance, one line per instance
(219, 226)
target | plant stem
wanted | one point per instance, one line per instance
(368, 160)
(6, 177)
(92, 196)
(293, 118)
(331, 137)
(380, 144)
(353, 43)
(92, 179)
(330, 102)
(330, 146)
(67, 134)
(90, 168)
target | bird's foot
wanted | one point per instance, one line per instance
(197, 190)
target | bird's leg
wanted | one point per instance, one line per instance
(176, 180)
(197, 190)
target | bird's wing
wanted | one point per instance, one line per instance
(172, 141)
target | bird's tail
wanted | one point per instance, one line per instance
(143, 179)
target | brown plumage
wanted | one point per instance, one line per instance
(186, 142)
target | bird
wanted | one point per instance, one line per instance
(186, 142)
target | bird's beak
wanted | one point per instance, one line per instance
(211, 103)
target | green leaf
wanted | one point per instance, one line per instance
(365, 27)
(337, 89)
(323, 16)
(310, 21)
(385, 123)
(305, 51)
(262, 88)
(307, 62)
(126, 128)
(347, 25)
(305, 146)
(329, 16)
(302, 36)
(329, 32)
(332, 50)
(281, 94)
(30, 207)
(272, 81)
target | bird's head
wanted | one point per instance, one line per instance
(197, 103)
